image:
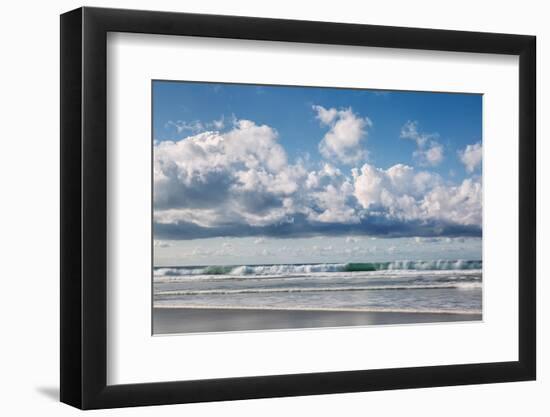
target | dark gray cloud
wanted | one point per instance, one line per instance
(302, 227)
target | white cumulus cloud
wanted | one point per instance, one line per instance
(429, 152)
(346, 136)
(460, 204)
(213, 178)
(432, 155)
(329, 192)
(401, 192)
(471, 156)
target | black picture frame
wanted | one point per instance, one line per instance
(84, 207)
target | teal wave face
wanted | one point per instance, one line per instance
(217, 270)
(413, 265)
(368, 266)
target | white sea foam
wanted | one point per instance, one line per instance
(388, 274)
(468, 285)
(278, 269)
(164, 305)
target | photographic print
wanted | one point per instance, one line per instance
(293, 207)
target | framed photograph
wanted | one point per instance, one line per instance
(258, 208)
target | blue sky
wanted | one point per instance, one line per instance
(233, 160)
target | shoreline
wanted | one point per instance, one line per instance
(316, 309)
(174, 320)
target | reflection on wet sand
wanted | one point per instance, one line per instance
(193, 320)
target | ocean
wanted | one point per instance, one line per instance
(442, 286)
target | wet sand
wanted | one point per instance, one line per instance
(195, 320)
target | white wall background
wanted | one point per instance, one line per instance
(29, 225)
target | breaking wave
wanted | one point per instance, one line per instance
(296, 269)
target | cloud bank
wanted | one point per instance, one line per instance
(241, 183)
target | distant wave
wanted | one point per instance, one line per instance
(296, 269)
(466, 285)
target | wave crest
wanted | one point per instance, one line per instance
(296, 269)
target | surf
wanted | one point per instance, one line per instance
(296, 269)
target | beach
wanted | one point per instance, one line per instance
(226, 298)
(194, 320)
